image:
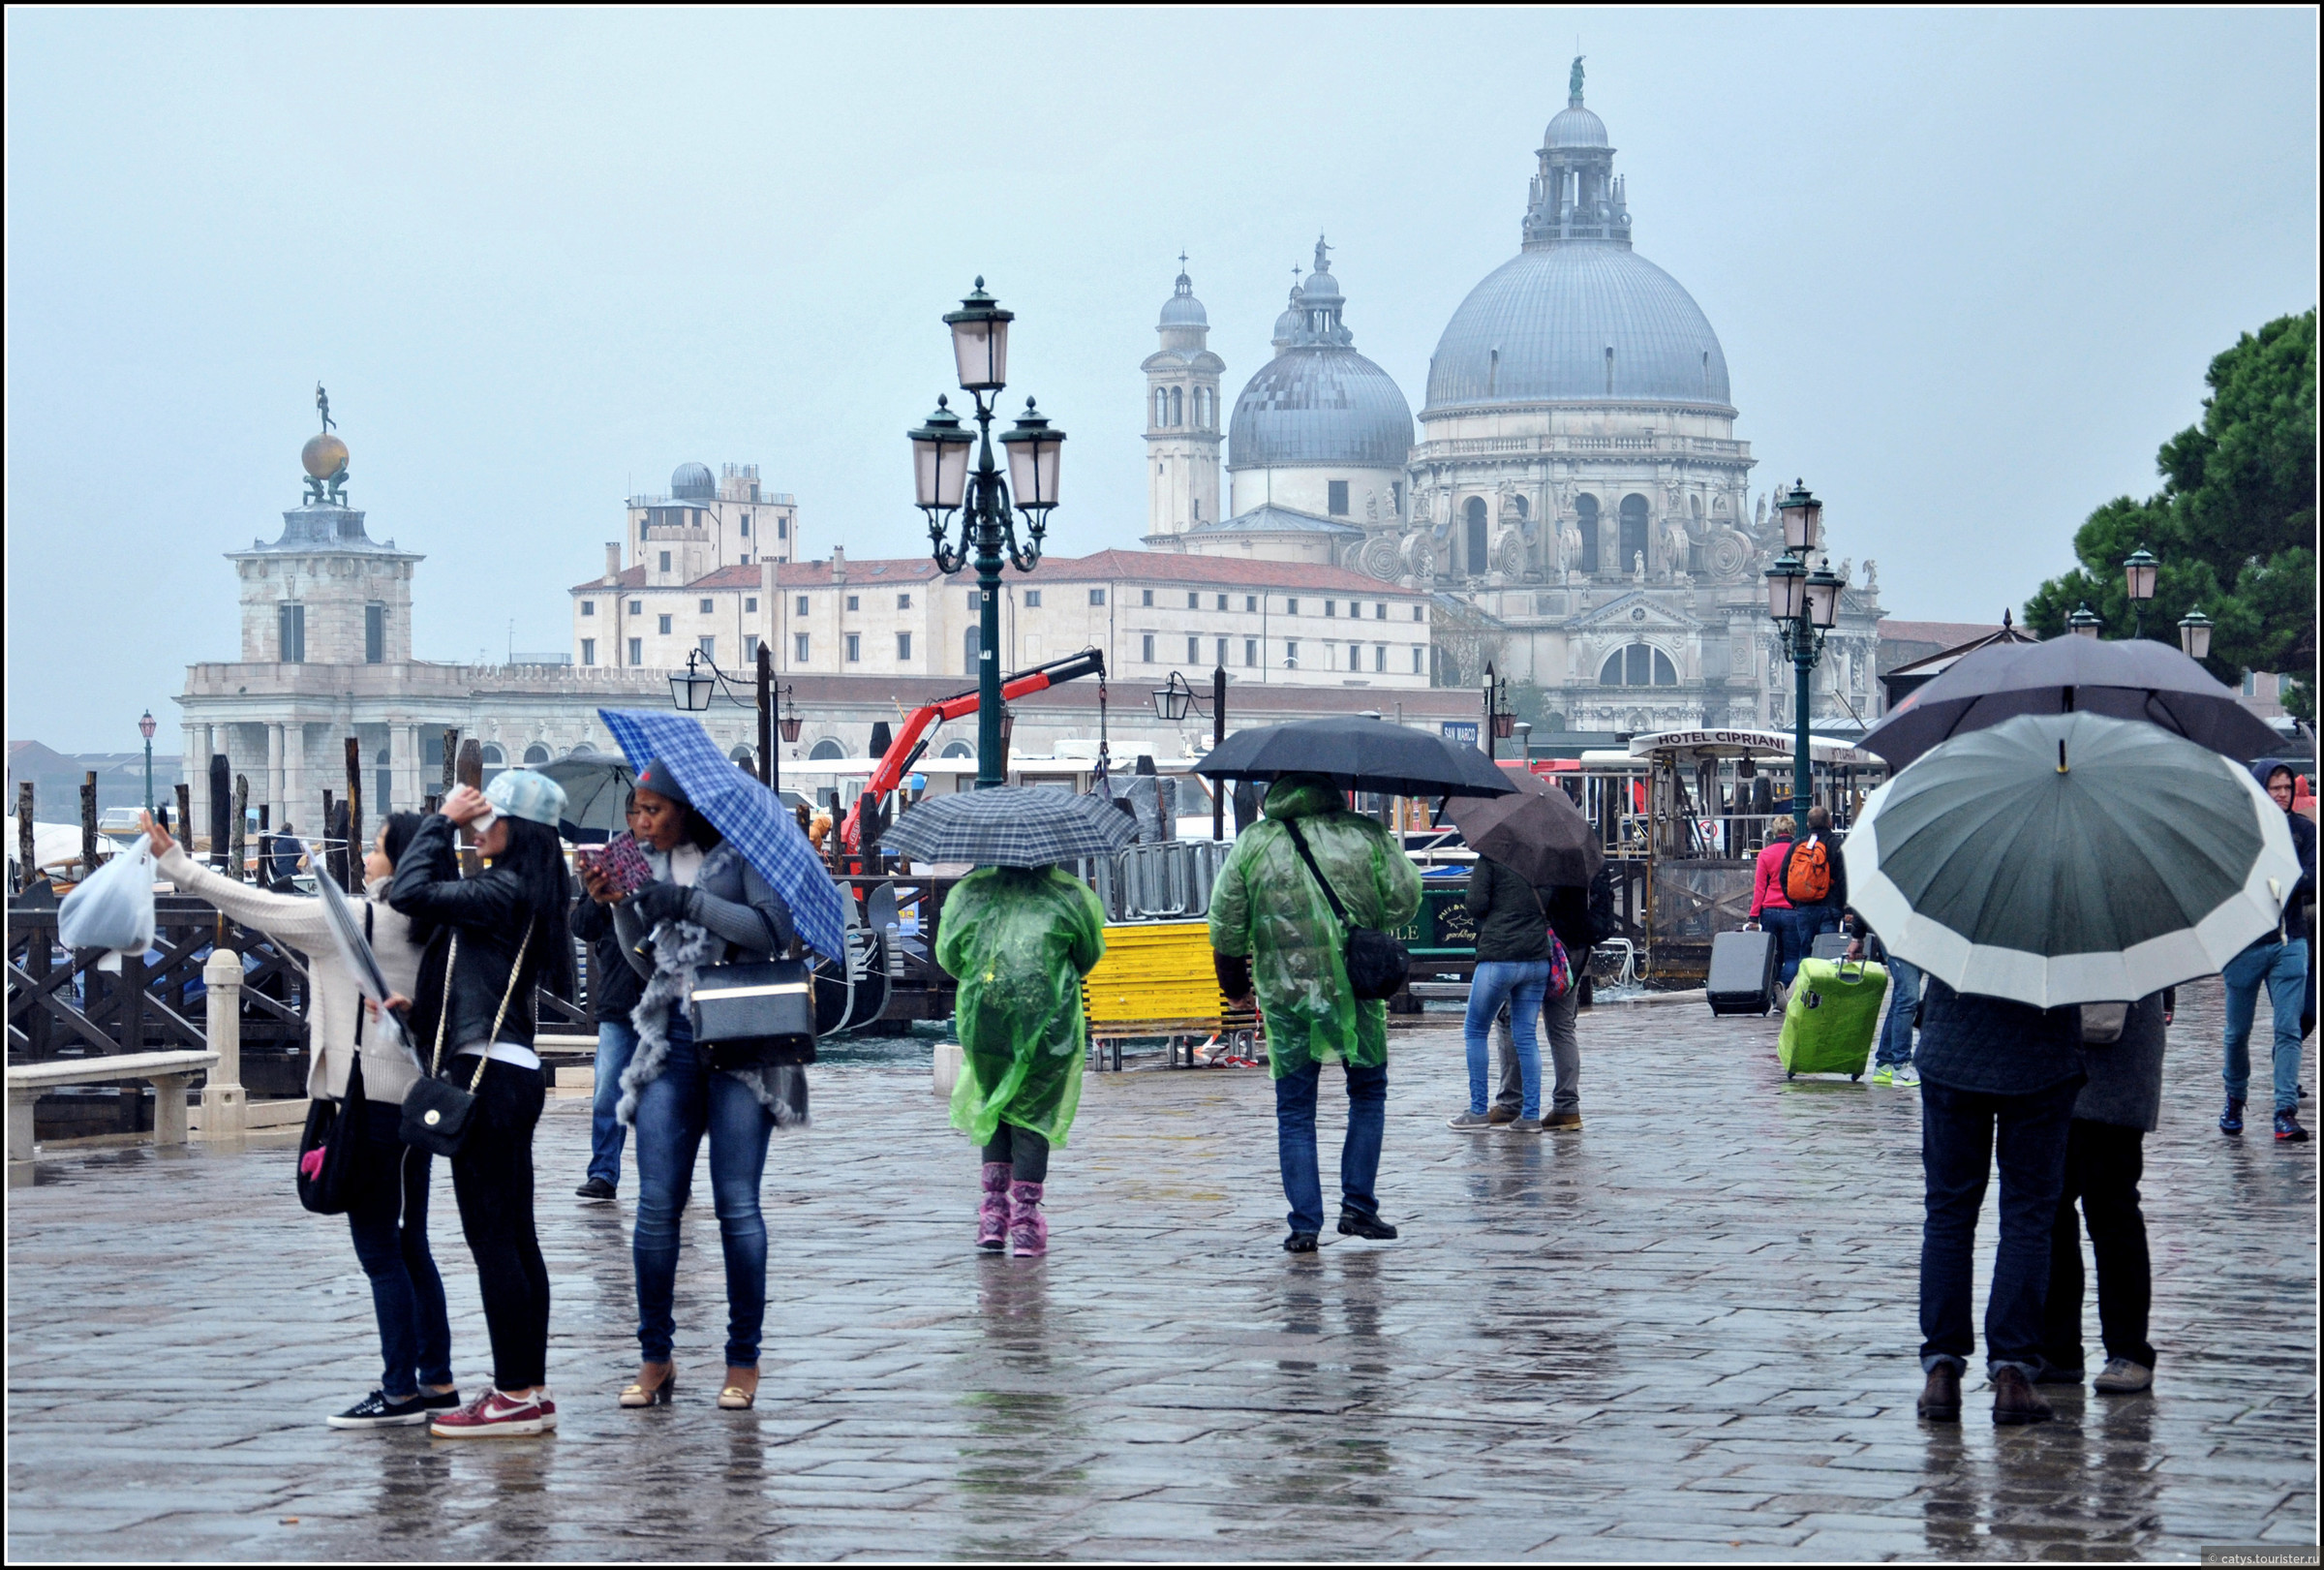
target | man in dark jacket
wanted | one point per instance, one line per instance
(2104, 1155)
(614, 988)
(1998, 1084)
(2277, 960)
(1574, 916)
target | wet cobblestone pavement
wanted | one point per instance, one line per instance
(1686, 1330)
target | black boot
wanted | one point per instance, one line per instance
(2015, 1399)
(1356, 1225)
(1940, 1398)
(1299, 1243)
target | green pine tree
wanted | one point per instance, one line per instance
(2234, 524)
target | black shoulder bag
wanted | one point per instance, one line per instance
(331, 1145)
(1377, 964)
(437, 1112)
(757, 1014)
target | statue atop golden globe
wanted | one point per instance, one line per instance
(324, 458)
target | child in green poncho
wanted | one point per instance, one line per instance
(1018, 939)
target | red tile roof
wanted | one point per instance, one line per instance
(1944, 634)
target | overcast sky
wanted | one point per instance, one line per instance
(1967, 268)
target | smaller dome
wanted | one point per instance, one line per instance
(323, 455)
(1182, 309)
(692, 483)
(1575, 127)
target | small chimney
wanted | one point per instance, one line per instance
(613, 560)
(838, 563)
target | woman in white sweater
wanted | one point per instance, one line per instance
(388, 1215)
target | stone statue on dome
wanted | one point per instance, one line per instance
(1573, 82)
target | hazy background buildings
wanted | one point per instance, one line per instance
(1966, 267)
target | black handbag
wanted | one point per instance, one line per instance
(1377, 964)
(336, 1128)
(757, 1014)
(438, 1112)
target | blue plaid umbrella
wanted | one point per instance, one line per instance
(743, 810)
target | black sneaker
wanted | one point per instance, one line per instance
(1299, 1243)
(440, 1400)
(596, 1189)
(2289, 1129)
(1365, 1226)
(2231, 1120)
(376, 1412)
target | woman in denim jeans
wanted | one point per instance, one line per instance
(705, 905)
(1513, 967)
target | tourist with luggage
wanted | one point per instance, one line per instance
(1512, 971)
(491, 940)
(706, 905)
(1770, 905)
(387, 1213)
(1273, 931)
(2104, 1155)
(614, 987)
(1019, 940)
(1581, 917)
(2276, 961)
(1815, 879)
(1892, 1057)
(1999, 1083)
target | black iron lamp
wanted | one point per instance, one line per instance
(940, 452)
(980, 341)
(1824, 598)
(2085, 622)
(691, 689)
(2194, 634)
(1803, 519)
(1174, 699)
(1787, 589)
(2138, 579)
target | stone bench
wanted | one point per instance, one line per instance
(167, 1070)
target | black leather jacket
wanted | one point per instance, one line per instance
(482, 910)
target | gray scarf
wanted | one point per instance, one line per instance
(679, 949)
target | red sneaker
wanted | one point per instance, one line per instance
(492, 1415)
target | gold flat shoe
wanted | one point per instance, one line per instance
(737, 1398)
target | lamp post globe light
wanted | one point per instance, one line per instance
(2138, 580)
(944, 484)
(2085, 622)
(2194, 634)
(1804, 603)
(145, 728)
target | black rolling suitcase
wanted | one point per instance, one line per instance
(1829, 945)
(1742, 977)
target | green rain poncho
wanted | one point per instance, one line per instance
(1019, 941)
(1267, 907)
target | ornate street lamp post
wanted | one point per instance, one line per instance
(942, 484)
(693, 689)
(2138, 579)
(1804, 604)
(145, 728)
(1172, 700)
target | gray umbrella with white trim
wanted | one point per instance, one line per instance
(2070, 858)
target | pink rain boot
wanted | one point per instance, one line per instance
(1029, 1230)
(992, 1214)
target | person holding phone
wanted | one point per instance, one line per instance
(388, 1217)
(614, 988)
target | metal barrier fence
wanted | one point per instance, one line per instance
(1169, 881)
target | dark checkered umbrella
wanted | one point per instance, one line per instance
(1011, 826)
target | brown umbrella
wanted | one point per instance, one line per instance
(1537, 833)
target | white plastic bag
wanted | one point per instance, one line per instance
(112, 908)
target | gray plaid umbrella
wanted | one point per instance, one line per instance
(2071, 859)
(1011, 826)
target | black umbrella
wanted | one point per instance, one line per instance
(595, 789)
(1537, 833)
(2126, 679)
(1358, 754)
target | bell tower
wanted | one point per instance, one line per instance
(1183, 422)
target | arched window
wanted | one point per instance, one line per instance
(1520, 501)
(972, 645)
(1178, 406)
(824, 749)
(1205, 401)
(1585, 515)
(1476, 542)
(1634, 533)
(582, 749)
(1637, 664)
(536, 754)
(1161, 406)
(495, 761)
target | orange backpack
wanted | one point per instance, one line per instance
(1808, 873)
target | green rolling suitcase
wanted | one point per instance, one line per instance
(1831, 1018)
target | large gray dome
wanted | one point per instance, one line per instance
(1320, 405)
(694, 482)
(1539, 328)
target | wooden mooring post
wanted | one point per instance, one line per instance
(233, 865)
(88, 822)
(354, 816)
(25, 871)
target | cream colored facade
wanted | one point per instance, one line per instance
(706, 522)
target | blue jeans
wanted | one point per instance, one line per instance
(1904, 1001)
(1791, 945)
(1958, 1146)
(1358, 1158)
(674, 1113)
(617, 1039)
(389, 1221)
(1522, 984)
(2281, 969)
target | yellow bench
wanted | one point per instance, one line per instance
(1156, 979)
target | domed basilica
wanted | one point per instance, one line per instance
(1575, 496)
